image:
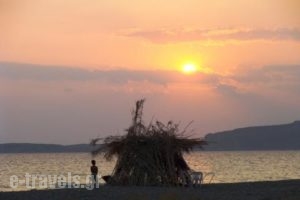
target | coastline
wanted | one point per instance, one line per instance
(265, 190)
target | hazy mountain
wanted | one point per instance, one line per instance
(275, 137)
(43, 148)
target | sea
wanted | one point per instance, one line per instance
(45, 170)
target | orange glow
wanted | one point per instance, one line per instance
(69, 33)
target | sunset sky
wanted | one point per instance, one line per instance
(71, 70)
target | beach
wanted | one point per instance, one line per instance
(266, 190)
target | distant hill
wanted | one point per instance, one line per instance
(43, 148)
(275, 137)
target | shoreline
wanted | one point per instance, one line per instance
(263, 190)
(202, 151)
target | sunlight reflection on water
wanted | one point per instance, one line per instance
(227, 166)
(247, 166)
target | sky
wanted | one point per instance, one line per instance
(71, 70)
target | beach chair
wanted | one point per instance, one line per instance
(196, 178)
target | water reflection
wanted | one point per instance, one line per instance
(227, 166)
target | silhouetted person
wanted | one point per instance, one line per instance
(94, 172)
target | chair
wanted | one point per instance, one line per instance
(196, 178)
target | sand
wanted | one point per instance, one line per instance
(268, 190)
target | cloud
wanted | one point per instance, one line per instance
(20, 71)
(240, 82)
(220, 34)
(81, 104)
(270, 73)
(270, 80)
(227, 89)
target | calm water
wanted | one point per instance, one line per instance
(226, 166)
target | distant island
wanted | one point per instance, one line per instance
(273, 137)
(43, 148)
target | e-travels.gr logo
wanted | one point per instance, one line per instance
(41, 181)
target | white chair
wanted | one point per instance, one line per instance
(196, 178)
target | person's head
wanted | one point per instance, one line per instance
(93, 162)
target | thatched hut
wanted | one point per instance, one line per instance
(148, 155)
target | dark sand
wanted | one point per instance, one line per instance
(272, 190)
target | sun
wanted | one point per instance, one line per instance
(189, 68)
